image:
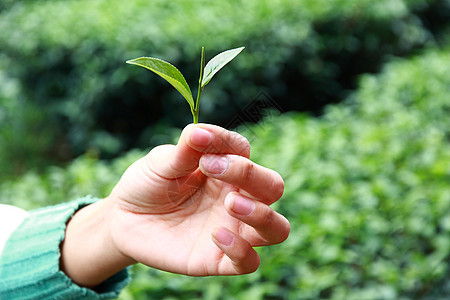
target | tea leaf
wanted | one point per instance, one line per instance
(169, 73)
(217, 63)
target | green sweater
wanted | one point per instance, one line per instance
(29, 263)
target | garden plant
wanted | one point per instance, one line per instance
(176, 79)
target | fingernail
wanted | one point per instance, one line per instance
(223, 236)
(240, 205)
(201, 137)
(214, 164)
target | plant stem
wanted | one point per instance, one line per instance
(200, 88)
(195, 115)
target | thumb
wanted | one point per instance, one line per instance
(171, 161)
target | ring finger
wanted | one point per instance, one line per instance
(266, 226)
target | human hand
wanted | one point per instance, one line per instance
(197, 208)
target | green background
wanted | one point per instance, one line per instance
(359, 129)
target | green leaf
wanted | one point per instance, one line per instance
(169, 73)
(217, 63)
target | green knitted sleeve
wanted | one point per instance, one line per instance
(29, 263)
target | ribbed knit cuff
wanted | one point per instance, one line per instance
(29, 264)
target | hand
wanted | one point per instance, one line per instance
(197, 208)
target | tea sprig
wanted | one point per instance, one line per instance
(172, 75)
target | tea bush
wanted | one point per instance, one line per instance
(66, 59)
(367, 194)
(367, 189)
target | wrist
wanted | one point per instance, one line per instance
(88, 254)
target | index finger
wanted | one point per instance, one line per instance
(260, 182)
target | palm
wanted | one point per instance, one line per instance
(179, 220)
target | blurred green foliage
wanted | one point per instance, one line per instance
(63, 62)
(367, 195)
(367, 182)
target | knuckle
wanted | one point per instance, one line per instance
(247, 261)
(248, 171)
(276, 225)
(244, 146)
(245, 254)
(236, 143)
(267, 218)
(252, 268)
(284, 232)
(277, 186)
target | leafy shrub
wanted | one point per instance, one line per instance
(24, 134)
(366, 189)
(67, 59)
(367, 196)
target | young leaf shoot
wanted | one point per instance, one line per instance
(176, 79)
